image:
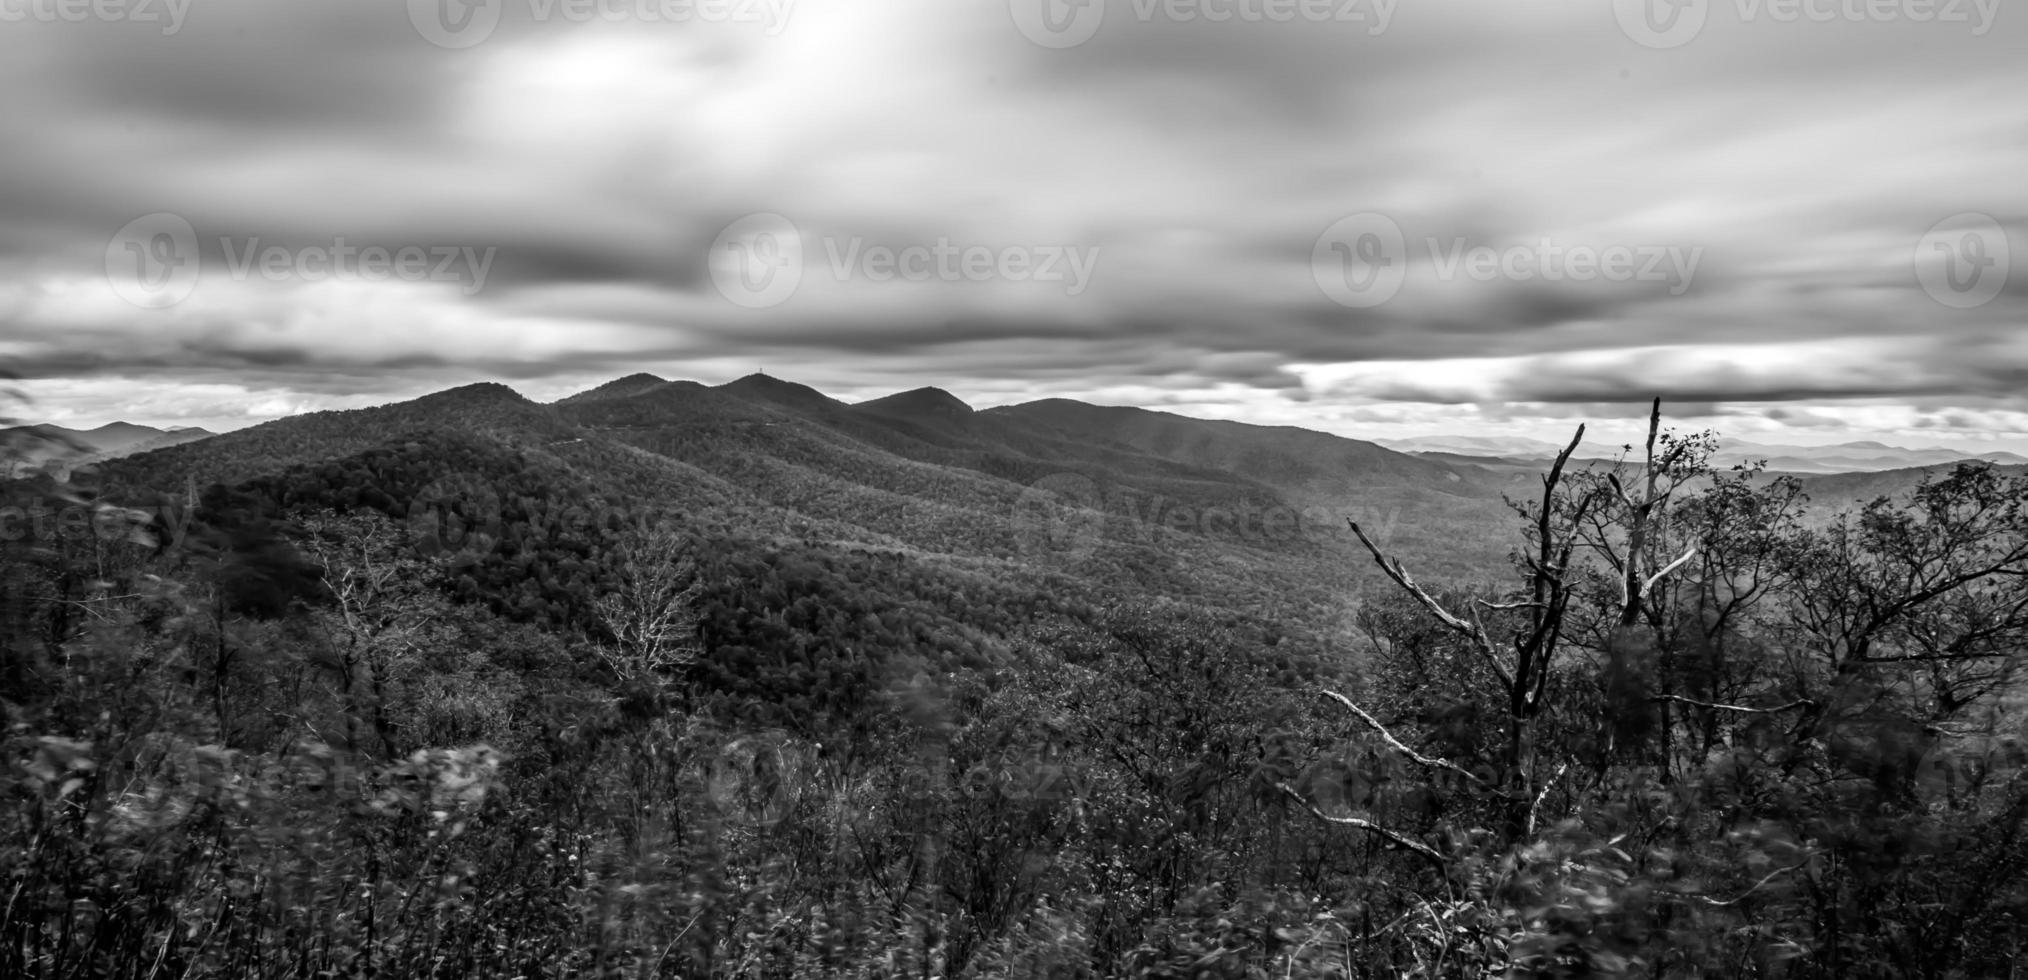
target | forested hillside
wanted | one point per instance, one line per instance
(673, 680)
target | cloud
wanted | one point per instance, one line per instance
(1197, 162)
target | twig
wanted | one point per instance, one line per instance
(1399, 746)
(1427, 852)
(1544, 794)
(1469, 630)
(1797, 703)
(1656, 578)
(1735, 900)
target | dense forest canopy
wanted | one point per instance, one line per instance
(658, 683)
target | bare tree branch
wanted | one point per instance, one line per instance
(1544, 794)
(1632, 587)
(1797, 703)
(650, 609)
(1427, 852)
(1467, 629)
(1656, 579)
(1399, 746)
(1742, 896)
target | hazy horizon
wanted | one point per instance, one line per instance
(1600, 433)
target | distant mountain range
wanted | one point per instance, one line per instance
(1054, 497)
(31, 448)
(1847, 457)
(1124, 500)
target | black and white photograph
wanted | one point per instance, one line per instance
(1013, 489)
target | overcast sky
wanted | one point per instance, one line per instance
(1375, 218)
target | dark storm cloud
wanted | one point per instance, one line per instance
(1198, 162)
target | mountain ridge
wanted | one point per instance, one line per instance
(1150, 502)
(1847, 457)
(56, 449)
(1120, 497)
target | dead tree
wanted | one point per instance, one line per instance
(649, 611)
(383, 614)
(1524, 661)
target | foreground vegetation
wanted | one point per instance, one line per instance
(292, 729)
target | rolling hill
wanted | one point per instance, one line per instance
(1101, 497)
(31, 448)
(1056, 495)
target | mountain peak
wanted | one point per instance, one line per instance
(113, 428)
(762, 387)
(57, 445)
(919, 403)
(627, 387)
(484, 394)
